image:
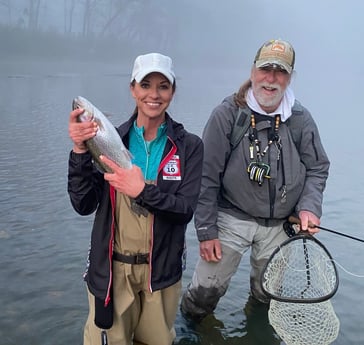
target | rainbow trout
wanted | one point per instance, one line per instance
(107, 141)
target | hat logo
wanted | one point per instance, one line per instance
(278, 47)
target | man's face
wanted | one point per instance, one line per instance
(269, 85)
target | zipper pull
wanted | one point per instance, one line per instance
(103, 338)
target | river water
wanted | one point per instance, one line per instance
(43, 242)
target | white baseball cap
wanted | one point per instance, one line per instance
(153, 62)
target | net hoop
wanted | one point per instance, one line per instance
(272, 279)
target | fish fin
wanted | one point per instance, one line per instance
(99, 123)
(101, 168)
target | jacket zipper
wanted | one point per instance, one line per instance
(164, 161)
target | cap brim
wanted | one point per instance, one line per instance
(142, 74)
(265, 63)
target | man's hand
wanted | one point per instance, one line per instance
(210, 250)
(308, 221)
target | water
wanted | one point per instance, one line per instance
(43, 242)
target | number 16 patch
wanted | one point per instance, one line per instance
(172, 170)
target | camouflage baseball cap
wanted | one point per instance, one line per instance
(276, 52)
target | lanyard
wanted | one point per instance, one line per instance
(258, 170)
(254, 141)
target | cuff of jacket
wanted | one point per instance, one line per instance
(140, 198)
(206, 234)
(79, 157)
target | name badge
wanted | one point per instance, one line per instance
(172, 170)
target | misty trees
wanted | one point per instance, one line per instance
(135, 20)
(139, 21)
(69, 8)
(127, 25)
(146, 22)
(7, 6)
(85, 17)
(22, 13)
(33, 14)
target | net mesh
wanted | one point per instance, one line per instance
(304, 323)
(300, 270)
(301, 277)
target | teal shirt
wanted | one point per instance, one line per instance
(147, 155)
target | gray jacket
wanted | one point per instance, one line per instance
(297, 177)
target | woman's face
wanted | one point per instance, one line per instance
(152, 96)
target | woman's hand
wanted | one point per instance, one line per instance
(127, 181)
(79, 132)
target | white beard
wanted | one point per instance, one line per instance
(264, 100)
(284, 107)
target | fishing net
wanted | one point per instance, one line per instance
(301, 277)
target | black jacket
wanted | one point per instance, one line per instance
(171, 201)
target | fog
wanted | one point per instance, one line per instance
(208, 36)
(207, 33)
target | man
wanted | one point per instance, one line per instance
(279, 167)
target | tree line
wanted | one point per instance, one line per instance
(122, 23)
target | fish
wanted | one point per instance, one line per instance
(107, 141)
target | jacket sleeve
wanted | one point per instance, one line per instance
(317, 165)
(216, 138)
(84, 183)
(178, 206)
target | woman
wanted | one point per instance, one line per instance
(138, 237)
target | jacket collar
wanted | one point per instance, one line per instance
(174, 131)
